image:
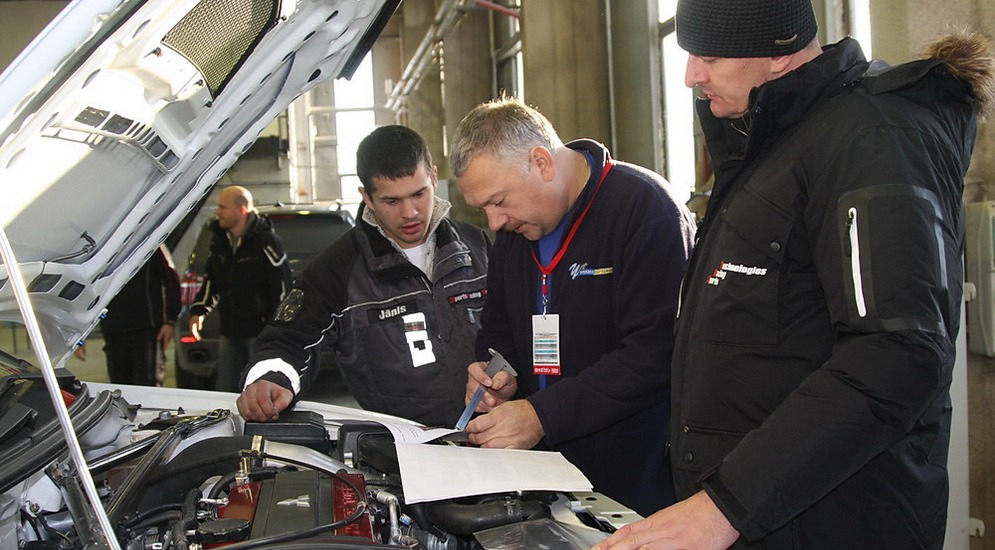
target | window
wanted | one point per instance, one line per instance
(326, 125)
(354, 119)
(509, 74)
(678, 102)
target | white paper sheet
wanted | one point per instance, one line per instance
(437, 472)
(408, 433)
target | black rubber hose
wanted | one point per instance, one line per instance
(188, 520)
(259, 474)
(466, 519)
(419, 511)
(128, 495)
(143, 514)
(217, 456)
(161, 518)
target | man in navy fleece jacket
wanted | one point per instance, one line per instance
(583, 283)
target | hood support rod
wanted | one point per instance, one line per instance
(48, 372)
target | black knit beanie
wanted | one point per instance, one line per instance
(744, 28)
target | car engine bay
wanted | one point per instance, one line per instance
(173, 479)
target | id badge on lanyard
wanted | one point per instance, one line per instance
(546, 344)
(545, 325)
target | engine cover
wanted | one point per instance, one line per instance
(298, 501)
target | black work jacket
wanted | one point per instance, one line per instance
(246, 284)
(403, 341)
(815, 341)
(148, 300)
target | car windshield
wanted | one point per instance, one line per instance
(306, 236)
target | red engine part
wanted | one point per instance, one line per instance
(344, 502)
(293, 501)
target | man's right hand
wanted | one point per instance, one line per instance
(263, 401)
(501, 388)
(196, 324)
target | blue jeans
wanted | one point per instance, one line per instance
(233, 357)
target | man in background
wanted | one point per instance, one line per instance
(245, 278)
(139, 322)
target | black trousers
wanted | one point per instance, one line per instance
(133, 357)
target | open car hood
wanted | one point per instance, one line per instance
(121, 115)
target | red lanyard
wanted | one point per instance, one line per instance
(546, 270)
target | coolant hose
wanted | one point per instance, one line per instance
(466, 519)
(188, 520)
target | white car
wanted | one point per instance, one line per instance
(113, 123)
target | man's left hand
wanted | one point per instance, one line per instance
(510, 425)
(695, 523)
(165, 336)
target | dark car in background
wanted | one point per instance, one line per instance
(306, 230)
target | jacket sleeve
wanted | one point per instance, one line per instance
(306, 319)
(887, 248)
(495, 331)
(278, 276)
(170, 282)
(207, 296)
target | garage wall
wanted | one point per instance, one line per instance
(21, 21)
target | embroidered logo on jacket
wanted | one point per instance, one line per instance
(468, 296)
(290, 306)
(581, 270)
(719, 274)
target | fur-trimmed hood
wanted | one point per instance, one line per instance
(970, 57)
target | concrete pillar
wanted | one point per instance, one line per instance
(467, 67)
(637, 83)
(424, 113)
(566, 66)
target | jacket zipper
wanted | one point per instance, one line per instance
(688, 428)
(854, 240)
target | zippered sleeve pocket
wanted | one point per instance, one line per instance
(893, 259)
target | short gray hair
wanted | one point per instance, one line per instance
(505, 128)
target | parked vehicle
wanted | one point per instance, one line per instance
(306, 230)
(114, 123)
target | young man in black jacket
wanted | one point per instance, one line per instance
(398, 298)
(816, 337)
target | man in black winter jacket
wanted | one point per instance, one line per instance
(246, 277)
(816, 335)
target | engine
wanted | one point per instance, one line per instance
(211, 481)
